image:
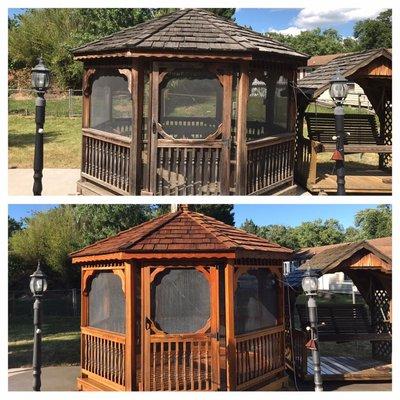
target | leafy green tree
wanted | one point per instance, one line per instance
(375, 33)
(13, 226)
(317, 41)
(221, 212)
(281, 234)
(227, 13)
(250, 227)
(374, 222)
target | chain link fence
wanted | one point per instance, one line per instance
(58, 104)
(65, 303)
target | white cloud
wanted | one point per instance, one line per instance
(292, 31)
(309, 18)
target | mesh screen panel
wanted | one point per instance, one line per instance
(111, 105)
(107, 303)
(190, 104)
(180, 300)
(281, 105)
(256, 301)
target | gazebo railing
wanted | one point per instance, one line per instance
(103, 355)
(180, 364)
(187, 168)
(269, 163)
(105, 159)
(258, 356)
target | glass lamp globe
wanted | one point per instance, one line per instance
(40, 77)
(38, 283)
(309, 283)
(338, 88)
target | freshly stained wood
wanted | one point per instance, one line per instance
(145, 354)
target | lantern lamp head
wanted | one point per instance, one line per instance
(40, 77)
(309, 283)
(38, 283)
(338, 88)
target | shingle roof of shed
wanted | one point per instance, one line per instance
(318, 80)
(182, 231)
(188, 29)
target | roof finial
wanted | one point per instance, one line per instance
(179, 207)
(184, 207)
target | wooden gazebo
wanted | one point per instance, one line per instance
(369, 265)
(372, 70)
(187, 104)
(182, 302)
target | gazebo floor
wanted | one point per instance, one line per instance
(352, 369)
(358, 182)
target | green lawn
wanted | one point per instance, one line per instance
(62, 141)
(60, 345)
(54, 107)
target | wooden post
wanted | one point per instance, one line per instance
(230, 327)
(215, 325)
(241, 124)
(145, 334)
(137, 93)
(130, 353)
(152, 140)
(226, 134)
(312, 169)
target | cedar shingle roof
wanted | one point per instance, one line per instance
(182, 231)
(317, 81)
(325, 258)
(188, 29)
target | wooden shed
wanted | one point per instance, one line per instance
(182, 302)
(369, 265)
(367, 133)
(187, 104)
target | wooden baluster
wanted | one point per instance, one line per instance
(169, 171)
(185, 170)
(177, 161)
(162, 344)
(191, 365)
(193, 169)
(153, 372)
(176, 365)
(217, 180)
(184, 365)
(208, 170)
(199, 365)
(169, 367)
(201, 172)
(160, 162)
(207, 378)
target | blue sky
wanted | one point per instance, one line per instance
(293, 20)
(261, 214)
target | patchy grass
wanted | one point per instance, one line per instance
(353, 163)
(318, 108)
(57, 107)
(62, 142)
(60, 343)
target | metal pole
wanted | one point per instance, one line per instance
(313, 318)
(340, 172)
(38, 158)
(37, 344)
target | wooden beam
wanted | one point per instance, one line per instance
(145, 334)
(215, 327)
(152, 140)
(241, 130)
(230, 326)
(135, 166)
(130, 353)
(226, 134)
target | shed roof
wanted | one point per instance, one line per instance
(325, 258)
(188, 30)
(183, 231)
(317, 81)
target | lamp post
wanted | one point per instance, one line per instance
(310, 287)
(40, 82)
(338, 91)
(38, 285)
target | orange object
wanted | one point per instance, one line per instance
(337, 156)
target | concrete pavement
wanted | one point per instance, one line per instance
(56, 181)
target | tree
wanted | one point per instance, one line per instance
(221, 212)
(374, 222)
(226, 13)
(317, 42)
(375, 33)
(98, 221)
(13, 226)
(250, 227)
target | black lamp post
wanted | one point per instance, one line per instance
(40, 82)
(338, 91)
(38, 286)
(310, 288)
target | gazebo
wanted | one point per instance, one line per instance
(188, 104)
(367, 133)
(182, 302)
(369, 266)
